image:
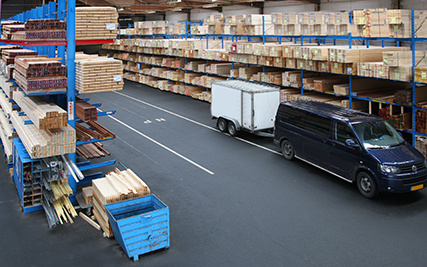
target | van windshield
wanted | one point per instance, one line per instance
(378, 134)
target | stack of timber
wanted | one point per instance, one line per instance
(94, 131)
(44, 143)
(96, 23)
(43, 113)
(39, 74)
(115, 187)
(85, 111)
(64, 209)
(98, 74)
(8, 59)
(41, 29)
(10, 28)
(91, 150)
(87, 194)
(421, 144)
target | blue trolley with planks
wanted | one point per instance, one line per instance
(140, 225)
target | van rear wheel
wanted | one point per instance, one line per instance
(222, 124)
(287, 150)
(367, 185)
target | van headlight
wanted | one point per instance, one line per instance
(389, 169)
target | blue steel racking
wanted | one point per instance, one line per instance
(321, 39)
(64, 49)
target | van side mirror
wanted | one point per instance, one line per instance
(351, 143)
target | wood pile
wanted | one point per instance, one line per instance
(98, 74)
(421, 144)
(40, 74)
(96, 23)
(41, 29)
(11, 29)
(43, 113)
(44, 143)
(8, 59)
(85, 111)
(94, 131)
(87, 193)
(91, 150)
(420, 121)
(115, 187)
(62, 205)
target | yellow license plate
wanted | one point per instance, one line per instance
(417, 187)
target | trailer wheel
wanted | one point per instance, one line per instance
(222, 124)
(232, 128)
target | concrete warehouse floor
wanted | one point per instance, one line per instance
(232, 203)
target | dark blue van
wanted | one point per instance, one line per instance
(353, 145)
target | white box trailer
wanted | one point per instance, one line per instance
(241, 105)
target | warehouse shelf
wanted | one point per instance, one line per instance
(64, 49)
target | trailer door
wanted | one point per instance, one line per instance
(247, 110)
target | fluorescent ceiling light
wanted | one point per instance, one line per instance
(150, 12)
(176, 9)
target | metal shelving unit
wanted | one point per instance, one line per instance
(319, 39)
(64, 49)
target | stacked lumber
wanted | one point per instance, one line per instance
(371, 23)
(44, 143)
(41, 29)
(94, 131)
(85, 111)
(12, 29)
(43, 113)
(62, 205)
(399, 22)
(421, 144)
(40, 74)
(98, 74)
(420, 121)
(87, 193)
(8, 59)
(91, 150)
(115, 187)
(96, 23)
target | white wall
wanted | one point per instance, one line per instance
(339, 5)
(175, 16)
(201, 14)
(413, 4)
(291, 6)
(239, 10)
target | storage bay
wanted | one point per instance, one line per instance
(231, 203)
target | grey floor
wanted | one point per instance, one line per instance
(233, 201)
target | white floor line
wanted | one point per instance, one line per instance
(163, 146)
(195, 122)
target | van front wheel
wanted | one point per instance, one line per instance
(367, 185)
(287, 150)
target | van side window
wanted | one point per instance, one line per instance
(343, 132)
(307, 121)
